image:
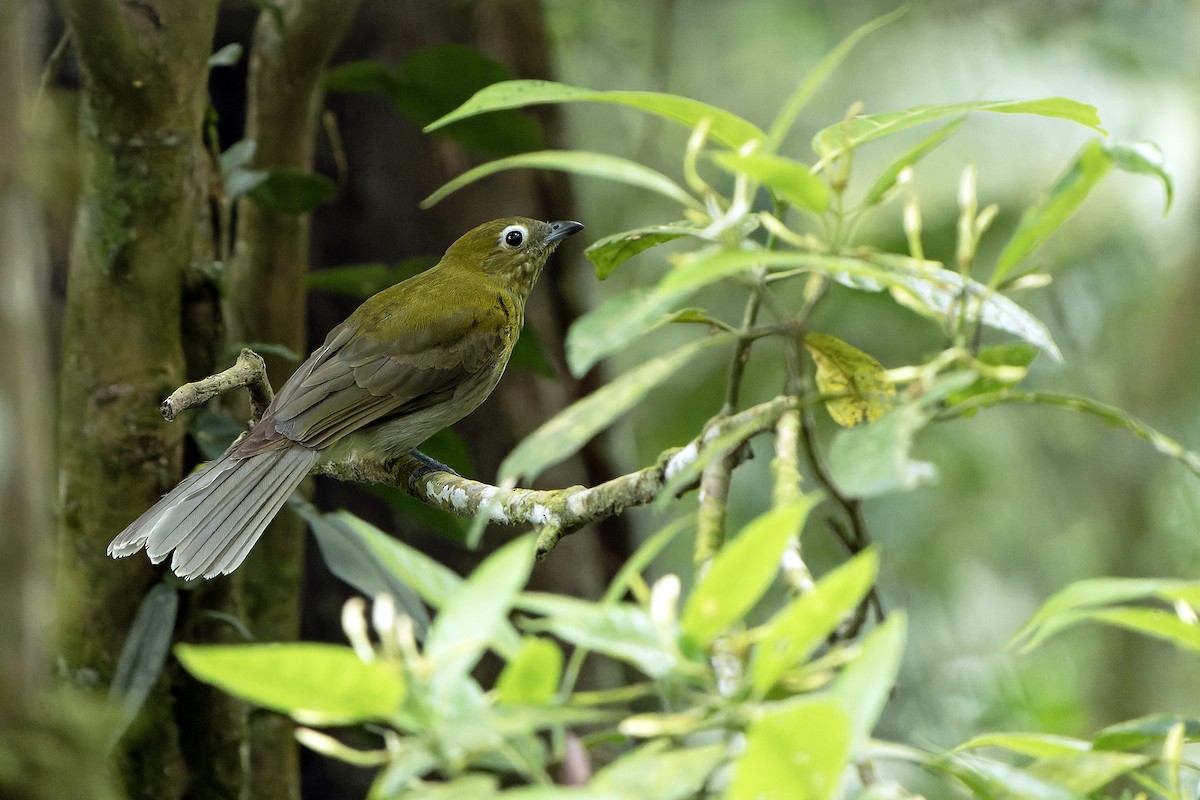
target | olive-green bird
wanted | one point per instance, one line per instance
(408, 362)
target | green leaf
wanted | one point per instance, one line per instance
(432, 82)
(563, 434)
(1089, 771)
(143, 654)
(1112, 415)
(1150, 731)
(789, 179)
(874, 459)
(577, 162)
(1143, 158)
(292, 191)
(1018, 355)
(432, 581)
(806, 622)
(855, 383)
(1042, 219)
(476, 615)
(1037, 745)
(352, 557)
(946, 293)
(620, 630)
(611, 251)
(817, 75)
(1094, 161)
(533, 674)
(864, 685)
(652, 772)
(835, 139)
(741, 573)
(1099, 592)
(995, 779)
(724, 127)
(615, 323)
(316, 684)
(797, 751)
(1147, 621)
(364, 280)
(887, 178)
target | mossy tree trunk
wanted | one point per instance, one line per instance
(40, 733)
(140, 224)
(265, 302)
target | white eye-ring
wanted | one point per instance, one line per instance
(514, 236)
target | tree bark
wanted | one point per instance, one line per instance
(51, 745)
(265, 302)
(141, 205)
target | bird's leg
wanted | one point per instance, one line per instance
(428, 465)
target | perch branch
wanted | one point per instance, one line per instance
(249, 370)
(557, 512)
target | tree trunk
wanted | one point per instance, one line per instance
(141, 206)
(265, 302)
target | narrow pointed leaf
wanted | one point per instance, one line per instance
(620, 630)
(316, 684)
(354, 556)
(1087, 772)
(476, 615)
(652, 773)
(574, 426)
(795, 632)
(1038, 745)
(143, 654)
(611, 251)
(833, 140)
(887, 178)
(577, 162)
(1068, 192)
(1094, 162)
(789, 179)
(817, 75)
(1117, 417)
(1145, 158)
(797, 751)
(616, 322)
(866, 683)
(724, 127)
(1149, 731)
(741, 573)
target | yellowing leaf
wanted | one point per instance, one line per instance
(859, 389)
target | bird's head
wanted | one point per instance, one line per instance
(513, 248)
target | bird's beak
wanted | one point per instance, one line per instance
(562, 229)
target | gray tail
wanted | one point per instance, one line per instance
(213, 518)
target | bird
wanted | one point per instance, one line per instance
(410, 361)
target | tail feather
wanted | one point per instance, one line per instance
(212, 519)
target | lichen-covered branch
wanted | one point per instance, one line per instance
(557, 512)
(249, 371)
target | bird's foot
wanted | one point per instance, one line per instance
(428, 465)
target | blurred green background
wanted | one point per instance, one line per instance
(1027, 499)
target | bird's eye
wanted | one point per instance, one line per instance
(514, 235)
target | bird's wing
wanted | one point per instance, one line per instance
(354, 380)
